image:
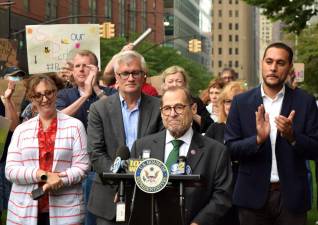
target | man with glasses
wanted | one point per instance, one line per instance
(118, 121)
(77, 100)
(228, 75)
(205, 156)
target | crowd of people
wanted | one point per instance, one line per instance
(252, 147)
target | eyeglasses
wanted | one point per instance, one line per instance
(49, 94)
(177, 108)
(135, 74)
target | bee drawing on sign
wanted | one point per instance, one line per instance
(46, 50)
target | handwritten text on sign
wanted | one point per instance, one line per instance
(50, 46)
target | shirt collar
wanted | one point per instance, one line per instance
(124, 103)
(186, 138)
(281, 93)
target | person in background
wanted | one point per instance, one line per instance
(115, 122)
(228, 75)
(176, 76)
(66, 75)
(216, 132)
(272, 130)
(7, 110)
(109, 75)
(214, 91)
(47, 151)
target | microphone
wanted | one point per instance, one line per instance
(179, 168)
(122, 154)
(142, 37)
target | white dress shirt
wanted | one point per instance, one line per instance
(273, 108)
(184, 148)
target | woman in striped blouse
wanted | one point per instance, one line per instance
(46, 152)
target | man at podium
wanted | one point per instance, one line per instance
(203, 205)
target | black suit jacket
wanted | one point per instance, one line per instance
(105, 134)
(204, 205)
(253, 182)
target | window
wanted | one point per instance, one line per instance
(236, 63)
(230, 64)
(230, 13)
(230, 26)
(236, 38)
(92, 11)
(220, 51)
(230, 51)
(230, 1)
(236, 26)
(143, 14)
(26, 5)
(230, 38)
(236, 51)
(220, 12)
(108, 9)
(236, 13)
(236, 1)
(220, 25)
(132, 16)
(50, 9)
(220, 37)
(220, 63)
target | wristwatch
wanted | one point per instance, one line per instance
(43, 177)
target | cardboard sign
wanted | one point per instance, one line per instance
(4, 129)
(8, 54)
(18, 94)
(50, 46)
(299, 70)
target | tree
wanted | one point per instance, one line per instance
(159, 58)
(308, 54)
(293, 13)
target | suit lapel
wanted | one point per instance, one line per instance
(144, 115)
(117, 121)
(159, 143)
(195, 151)
(258, 97)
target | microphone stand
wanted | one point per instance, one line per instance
(181, 201)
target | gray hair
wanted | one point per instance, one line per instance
(126, 57)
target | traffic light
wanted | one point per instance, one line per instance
(103, 30)
(191, 45)
(195, 45)
(111, 30)
(107, 30)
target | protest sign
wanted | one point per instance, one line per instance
(8, 54)
(18, 93)
(50, 46)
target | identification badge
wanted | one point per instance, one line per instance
(120, 211)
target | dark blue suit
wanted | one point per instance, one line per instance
(253, 182)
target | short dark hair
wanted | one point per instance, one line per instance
(281, 45)
(35, 79)
(177, 88)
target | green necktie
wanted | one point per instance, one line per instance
(174, 154)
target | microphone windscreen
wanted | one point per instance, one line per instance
(123, 152)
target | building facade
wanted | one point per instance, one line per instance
(185, 20)
(233, 39)
(130, 16)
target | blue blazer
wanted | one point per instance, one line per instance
(253, 182)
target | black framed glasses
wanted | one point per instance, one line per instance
(177, 108)
(135, 74)
(49, 94)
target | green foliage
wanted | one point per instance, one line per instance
(308, 54)
(159, 58)
(294, 13)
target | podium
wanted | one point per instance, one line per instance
(162, 208)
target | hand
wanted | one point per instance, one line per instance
(91, 80)
(10, 90)
(127, 47)
(285, 126)
(194, 224)
(53, 183)
(262, 125)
